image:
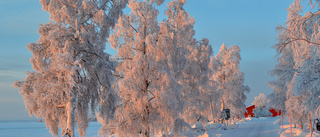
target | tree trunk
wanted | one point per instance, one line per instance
(282, 120)
(70, 114)
(147, 132)
(211, 109)
(222, 105)
(300, 124)
(310, 122)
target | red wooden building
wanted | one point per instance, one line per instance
(249, 111)
(275, 112)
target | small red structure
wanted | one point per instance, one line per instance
(249, 111)
(275, 112)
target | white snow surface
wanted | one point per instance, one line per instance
(297, 132)
(249, 127)
(38, 129)
(253, 127)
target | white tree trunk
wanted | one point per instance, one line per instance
(70, 114)
(211, 106)
(222, 105)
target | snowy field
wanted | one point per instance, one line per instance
(37, 129)
(263, 127)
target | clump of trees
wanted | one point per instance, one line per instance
(160, 80)
(261, 108)
(296, 89)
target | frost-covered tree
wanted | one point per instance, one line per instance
(214, 93)
(197, 89)
(261, 108)
(153, 58)
(190, 58)
(229, 80)
(283, 72)
(71, 71)
(301, 34)
(261, 112)
(296, 106)
(163, 71)
(260, 100)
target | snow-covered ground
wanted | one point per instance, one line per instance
(37, 129)
(262, 127)
(297, 132)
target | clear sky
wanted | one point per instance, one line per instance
(250, 24)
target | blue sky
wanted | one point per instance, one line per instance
(250, 24)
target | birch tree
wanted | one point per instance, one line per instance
(214, 92)
(230, 79)
(197, 90)
(148, 85)
(301, 34)
(71, 71)
(283, 72)
(189, 58)
(296, 106)
(261, 108)
(260, 100)
(163, 68)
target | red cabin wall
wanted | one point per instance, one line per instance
(249, 111)
(275, 112)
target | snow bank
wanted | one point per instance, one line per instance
(219, 126)
(277, 121)
(263, 118)
(253, 118)
(214, 126)
(232, 126)
(297, 132)
(285, 126)
(259, 118)
(204, 135)
(247, 118)
(314, 134)
(240, 121)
